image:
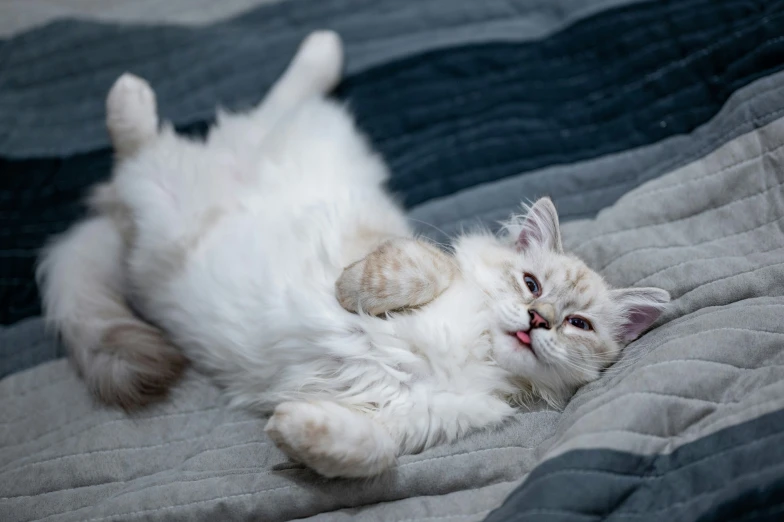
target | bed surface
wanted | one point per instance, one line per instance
(661, 144)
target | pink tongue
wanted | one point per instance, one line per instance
(524, 337)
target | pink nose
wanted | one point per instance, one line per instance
(537, 321)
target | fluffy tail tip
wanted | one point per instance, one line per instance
(135, 366)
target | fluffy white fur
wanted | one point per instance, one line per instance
(233, 247)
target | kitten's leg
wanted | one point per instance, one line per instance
(401, 273)
(428, 418)
(338, 442)
(314, 71)
(332, 439)
(131, 114)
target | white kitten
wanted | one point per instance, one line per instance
(236, 248)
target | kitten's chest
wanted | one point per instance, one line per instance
(450, 338)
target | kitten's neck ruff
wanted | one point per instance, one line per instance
(449, 339)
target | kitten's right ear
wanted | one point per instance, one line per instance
(640, 307)
(541, 227)
(131, 114)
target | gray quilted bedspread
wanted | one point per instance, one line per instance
(710, 232)
(661, 142)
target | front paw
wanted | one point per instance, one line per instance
(400, 274)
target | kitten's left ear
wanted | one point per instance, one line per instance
(640, 307)
(541, 227)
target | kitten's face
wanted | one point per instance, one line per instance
(555, 322)
(552, 319)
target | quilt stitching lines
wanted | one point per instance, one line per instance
(724, 278)
(657, 476)
(121, 420)
(131, 448)
(692, 245)
(707, 148)
(703, 259)
(601, 392)
(697, 214)
(414, 166)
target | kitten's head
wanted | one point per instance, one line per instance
(555, 323)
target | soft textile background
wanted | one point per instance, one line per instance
(665, 118)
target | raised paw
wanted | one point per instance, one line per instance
(330, 439)
(321, 53)
(131, 113)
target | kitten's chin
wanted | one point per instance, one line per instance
(514, 356)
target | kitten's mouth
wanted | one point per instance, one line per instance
(524, 340)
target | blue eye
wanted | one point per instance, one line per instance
(533, 284)
(579, 322)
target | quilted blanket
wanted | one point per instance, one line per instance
(657, 128)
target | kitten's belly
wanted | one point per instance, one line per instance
(258, 278)
(258, 311)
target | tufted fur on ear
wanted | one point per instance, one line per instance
(540, 227)
(639, 307)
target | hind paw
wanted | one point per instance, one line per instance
(330, 439)
(131, 113)
(322, 53)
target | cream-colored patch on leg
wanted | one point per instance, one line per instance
(207, 221)
(143, 364)
(332, 440)
(363, 240)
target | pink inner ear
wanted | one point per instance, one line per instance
(524, 239)
(540, 227)
(528, 236)
(639, 320)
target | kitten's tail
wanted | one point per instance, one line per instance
(124, 360)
